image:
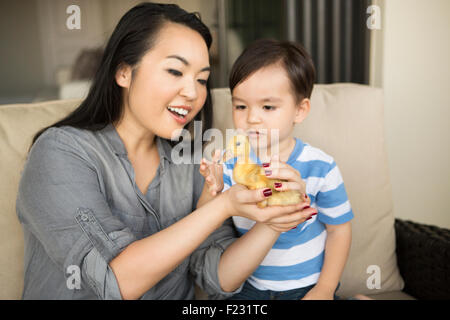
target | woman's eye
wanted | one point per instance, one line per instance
(202, 82)
(174, 72)
(240, 107)
(269, 108)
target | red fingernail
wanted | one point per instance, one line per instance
(278, 184)
(294, 228)
(307, 207)
(268, 172)
(267, 192)
(314, 213)
(308, 218)
(265, 165)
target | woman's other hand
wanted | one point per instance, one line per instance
(241, 201)
(291, 178)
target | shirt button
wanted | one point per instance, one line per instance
(84, 217)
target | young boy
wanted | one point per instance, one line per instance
(271, 84)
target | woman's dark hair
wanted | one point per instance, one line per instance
(292, 57)
(133, 36)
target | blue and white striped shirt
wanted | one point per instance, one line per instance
(296, 259)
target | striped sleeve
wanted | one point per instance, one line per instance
(332, 200)
(227, 175)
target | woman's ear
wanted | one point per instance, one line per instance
(123, 76)
(303, 108)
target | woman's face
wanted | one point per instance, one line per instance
(168, 86)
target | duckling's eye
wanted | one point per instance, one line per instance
(238, 144)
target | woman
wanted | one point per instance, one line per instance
(101, 196)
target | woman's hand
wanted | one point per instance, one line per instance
(291, 221)
(292, 179)
(241, 201)
(212, 171)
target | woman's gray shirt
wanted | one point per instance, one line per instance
(80, 207)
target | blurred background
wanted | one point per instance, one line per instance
(38, 43)
(402, 46)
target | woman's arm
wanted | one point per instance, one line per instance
(339, 238)
(135, 268)
(244, 255)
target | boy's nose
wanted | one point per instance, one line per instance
(253, 116)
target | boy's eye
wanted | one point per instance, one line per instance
(269, 108)
(241, 107)
(174, 72)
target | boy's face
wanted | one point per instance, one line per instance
(264, 104)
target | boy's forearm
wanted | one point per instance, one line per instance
(337, 249)
(242, 257)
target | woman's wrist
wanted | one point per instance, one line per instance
(268, 229)
(224, 203)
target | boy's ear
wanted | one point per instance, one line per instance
(303, 108)
(123, 76)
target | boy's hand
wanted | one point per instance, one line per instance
(212, 171)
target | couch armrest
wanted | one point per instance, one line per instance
(423, 257)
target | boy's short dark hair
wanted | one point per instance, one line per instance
(292, 56)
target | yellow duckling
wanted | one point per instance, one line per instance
(249, 174)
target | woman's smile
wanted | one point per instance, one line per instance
(179, 113)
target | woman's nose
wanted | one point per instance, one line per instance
(189, 90)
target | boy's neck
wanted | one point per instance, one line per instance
(285, 149)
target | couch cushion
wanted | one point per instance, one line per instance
(394, 295)
(346, 121)
(18, 124)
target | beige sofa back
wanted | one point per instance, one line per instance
(346, 121)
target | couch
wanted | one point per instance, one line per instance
(346, 121)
